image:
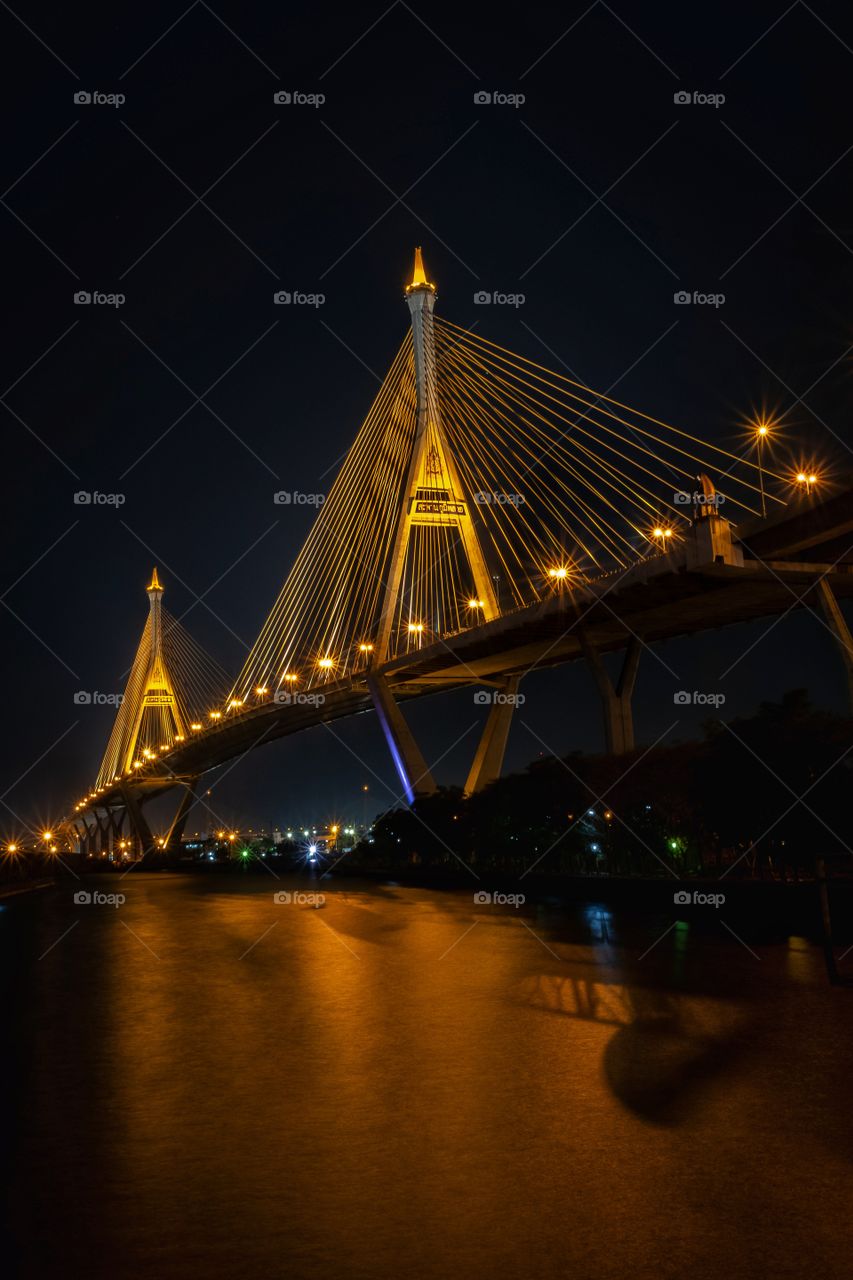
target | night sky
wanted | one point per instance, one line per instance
(199, 197)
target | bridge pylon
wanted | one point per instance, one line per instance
(434, 495)
(158, 692)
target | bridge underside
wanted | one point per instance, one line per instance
(654, 600)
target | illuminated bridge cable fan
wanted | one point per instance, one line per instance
(478, 483)
(330, 601)
(172, 685)
(566, 476)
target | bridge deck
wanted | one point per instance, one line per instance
(655, 600)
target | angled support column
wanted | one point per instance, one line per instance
(837, 624)
(405, 752)
(489, 757)
(616, 703)
(103, 831)
(176, 830)
(138, 824)
(88, 845)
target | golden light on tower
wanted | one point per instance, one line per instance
(419, 279)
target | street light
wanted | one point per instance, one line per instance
(761, 432)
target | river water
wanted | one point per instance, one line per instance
(404, 1083)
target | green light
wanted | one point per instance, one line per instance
(244, 853)
(673, 844)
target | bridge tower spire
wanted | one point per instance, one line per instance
(157, 692)
(434, 494)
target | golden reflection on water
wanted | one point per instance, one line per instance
(403, 1083)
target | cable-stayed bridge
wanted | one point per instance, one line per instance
(491, 517)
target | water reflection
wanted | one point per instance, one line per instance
(406, 1083)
